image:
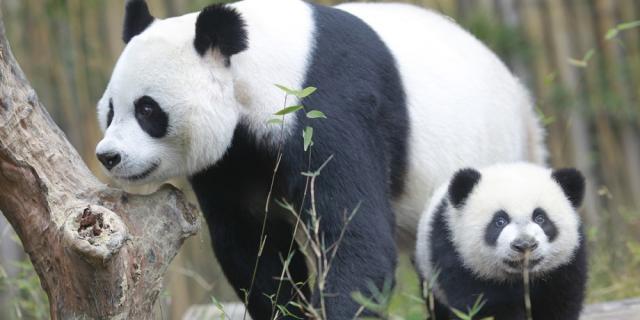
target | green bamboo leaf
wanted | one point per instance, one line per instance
(628, 25)
(460, 314)
(367, 303)
(584, 62)
(307, 136)
(287, 90)
(306, 92)
(297, 93)
(275, 121)
(550, 79)
(314, 114)
(589, 55)
(309, 174)
(577, 63)
(612, 33)
(288, 110)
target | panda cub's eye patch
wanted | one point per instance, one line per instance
(540, 217)
(499, 221)
(151, 118)
(110, 113)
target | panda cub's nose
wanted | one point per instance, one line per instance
(522, 245)
(109, 159)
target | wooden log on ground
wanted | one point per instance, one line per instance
(615, 310)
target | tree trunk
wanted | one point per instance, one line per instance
(99, 252)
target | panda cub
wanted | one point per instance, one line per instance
(473, 237)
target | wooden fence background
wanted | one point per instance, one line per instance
(587, 88)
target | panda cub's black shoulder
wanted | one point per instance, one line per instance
(473, 237)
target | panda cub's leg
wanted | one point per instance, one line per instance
(235, 243)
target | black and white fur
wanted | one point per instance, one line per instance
(472, 239)
(409, 97)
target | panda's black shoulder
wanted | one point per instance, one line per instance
(360, 89)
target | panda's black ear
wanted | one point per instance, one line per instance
(572, 183)
(220, 27)
(136, 19)
(461, 186)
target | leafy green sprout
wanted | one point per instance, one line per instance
(379, 300)
(322, 255)
(427, 293)
(545, 119)
(612, 34)
(26, 297)
(307, 133)
(584, 62)
(220, 308)
(472, 311)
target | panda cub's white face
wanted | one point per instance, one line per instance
(512, 209)
(169, 109)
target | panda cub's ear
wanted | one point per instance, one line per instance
(220, 27)
(572, 183)
(461, 186)
(136, 19)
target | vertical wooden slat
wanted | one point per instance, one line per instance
(606, 138)
(566, 45)
(629, 57)
(510, 17)
(542, 69)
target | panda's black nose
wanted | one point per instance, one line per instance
(521, 245)
(109, 160)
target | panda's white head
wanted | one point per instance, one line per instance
(169, 109)
(504, 210)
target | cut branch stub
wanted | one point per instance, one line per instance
(95, 232)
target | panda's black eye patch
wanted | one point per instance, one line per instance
(494, 228)
(151, 118)
(540, 217)
(110, 113)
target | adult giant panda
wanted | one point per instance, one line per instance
(410, 97)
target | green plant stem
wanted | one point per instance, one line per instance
(432, 305)
(322, 260)
(525, 278)
(266, 215)
(293, 237)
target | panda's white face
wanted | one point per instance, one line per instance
(513, 209)
(167, 110)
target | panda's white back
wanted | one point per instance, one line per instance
(465, 107)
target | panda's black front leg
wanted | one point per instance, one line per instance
(235, 239)
(366, 253)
